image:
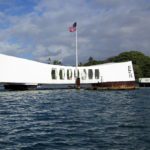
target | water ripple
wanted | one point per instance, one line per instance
(75, 120)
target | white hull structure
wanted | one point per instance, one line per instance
(144, 82)
(25, 74)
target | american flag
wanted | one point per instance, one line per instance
(73, 27)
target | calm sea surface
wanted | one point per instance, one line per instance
(75, 120)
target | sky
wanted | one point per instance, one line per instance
(38, 29)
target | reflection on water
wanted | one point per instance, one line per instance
(70, 119)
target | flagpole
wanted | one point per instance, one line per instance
(77, 76)
(76, 53)
(73, 28)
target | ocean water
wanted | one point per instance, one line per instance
(75, 120)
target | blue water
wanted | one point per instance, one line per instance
(75, 120)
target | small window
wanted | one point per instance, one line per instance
(75, 74)
(84, 74)
(69, 74)
(78, 73)
(62, 74)
(53, 73)
(96, 74)
(90, 73)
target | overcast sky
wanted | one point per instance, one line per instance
(38, 29)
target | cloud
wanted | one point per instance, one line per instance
(105, 28)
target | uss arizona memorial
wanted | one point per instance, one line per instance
(19, 73)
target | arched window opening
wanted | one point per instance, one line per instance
(75, 74)
(61, 74)
(53, 74)
(69, 74)
(84, 74)
(96, 73)
(90, 73)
